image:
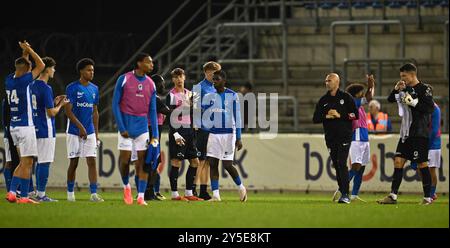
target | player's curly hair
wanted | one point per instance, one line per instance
(82, 63)
(354, 89)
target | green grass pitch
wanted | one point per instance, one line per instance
(261, 210)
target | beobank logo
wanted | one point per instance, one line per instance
(85, 105)
(318, 165)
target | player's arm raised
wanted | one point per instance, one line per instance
(39, 64)
(370, 87)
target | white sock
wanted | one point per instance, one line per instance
(140, 195)
(428, 199)
(93, 194)
(126, 186)
(41, 193)
(188, 192)
(216, 193)
(394, 196)
(71, 194)
(175, 194)
(12, 192)
(241, 186)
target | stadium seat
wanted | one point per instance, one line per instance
(360, 5)
(326, 5)
(429, 4)
(343, 5)
(310, 5)
(411, 4)
(395, 4)
(377, 5)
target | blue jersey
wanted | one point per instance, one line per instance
(42, 98)
(229, 109)
(202, 91)
(83, 98)
(19, 99)
(435, 129)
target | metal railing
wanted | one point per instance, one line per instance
(173, 43)
(251, 60)
(379, 62)
(295, 109)
(367, 25)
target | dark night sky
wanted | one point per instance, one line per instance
(90, 16)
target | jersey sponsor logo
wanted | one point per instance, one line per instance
(15, 118)
(84, 105)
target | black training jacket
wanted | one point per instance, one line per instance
(336, 130)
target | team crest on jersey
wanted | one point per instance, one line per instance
(140, 86)
(341, 101)
(429, 92)
(93, 95)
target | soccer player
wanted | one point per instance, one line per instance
(434, 151)
(82, 127)
(336, 110)
(225, 135)
(44, 121)
(416, 100)
(162, 110)
(360, 147)
(134, 104)
(200, 91)
(181, 136)
(154, 178)
(11, 157)
(21, 122)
